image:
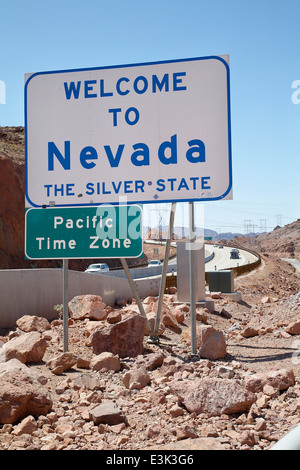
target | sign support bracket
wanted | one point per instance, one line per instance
(164, 274)
(136, 294)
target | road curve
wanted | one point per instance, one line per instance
(221, 257)
(222, 260)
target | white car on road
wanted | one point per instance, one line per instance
(97, 268)
(154, 262)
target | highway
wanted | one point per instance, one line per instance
(221, 259)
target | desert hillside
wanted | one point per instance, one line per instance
(282, 241)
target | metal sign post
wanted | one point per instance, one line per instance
(164, 273)
(65, 304)
(136, 295)
(192, 279)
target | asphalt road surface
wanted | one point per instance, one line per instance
(222, 260)
(294, 262)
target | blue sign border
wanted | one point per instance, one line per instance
(126, 66)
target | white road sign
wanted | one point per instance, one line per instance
(152, 132)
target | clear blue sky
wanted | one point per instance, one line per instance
(262, 38)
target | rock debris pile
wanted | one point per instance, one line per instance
(97, 394)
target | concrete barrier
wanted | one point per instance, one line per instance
(138, 273)
(37, 291)
(146, 271)
(291, 441)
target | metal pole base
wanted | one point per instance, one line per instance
(153, 340)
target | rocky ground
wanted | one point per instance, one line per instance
(161, 397)
(143, 402)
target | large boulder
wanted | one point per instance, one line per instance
(28, 347)
(136, 379)
(105, 360)
(168, 319)
(87, 306)
(29, 323)
(124, 338)
(107, 412)
(293, 328)
(151, 317)
(211, 343)
(213, 396)
(150, 361)
(279, 379)
(61, 363)
(21, 393)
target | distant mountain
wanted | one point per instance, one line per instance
(229, 236)
(183, 232)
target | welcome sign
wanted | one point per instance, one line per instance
(152, 132)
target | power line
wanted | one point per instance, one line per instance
(278, 219)
(262, 225)
(247, 226)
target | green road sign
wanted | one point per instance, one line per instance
(84, 232)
